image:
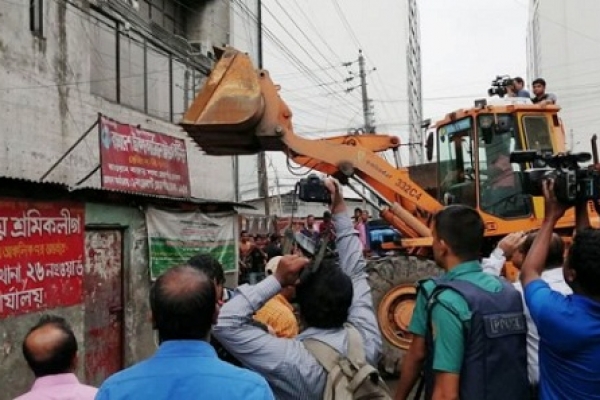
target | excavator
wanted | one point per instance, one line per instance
(238, 111)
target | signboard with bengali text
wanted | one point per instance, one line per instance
(137, 160)
(174, 237)
(41, 255)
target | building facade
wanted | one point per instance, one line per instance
(414, 85)
(69, 245)
(63, 62)
(563, 42)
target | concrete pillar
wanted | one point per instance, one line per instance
(209, 24)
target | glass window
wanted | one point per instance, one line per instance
(144, 10)
(456, 161)
(132, 71)
(147, 80)
(156, 15)
(103, 65)
(180, 92)
(158, 83)
(36, 17)
(500, 182)
(537, 133)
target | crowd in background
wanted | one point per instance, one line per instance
(256, 250)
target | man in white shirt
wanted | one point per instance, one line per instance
(515, 250)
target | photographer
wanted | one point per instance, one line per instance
(518, 88)
(568, 326)
(336, 293)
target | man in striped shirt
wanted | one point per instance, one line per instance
(333, 295)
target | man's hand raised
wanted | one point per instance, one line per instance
(553, 209)
(337, 198)
(510, 243)
(289, 269)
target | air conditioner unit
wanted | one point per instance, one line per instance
(202, 47)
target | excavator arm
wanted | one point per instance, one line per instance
(239, 111)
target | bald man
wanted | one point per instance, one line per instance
(185, 367)
(50, 349)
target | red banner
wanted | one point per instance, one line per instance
(138, 160)
(41, 255)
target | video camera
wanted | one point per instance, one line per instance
(572, 184)
(500, 86)
(312, 189)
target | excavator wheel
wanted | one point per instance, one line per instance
(392, 281)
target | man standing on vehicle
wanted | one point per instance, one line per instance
(468, 326)
(541, 97)
(518, 88)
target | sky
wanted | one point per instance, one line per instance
(464, 45)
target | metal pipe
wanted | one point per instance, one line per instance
(397, 157)
(398, 210)
(70, 149)
(364, 197)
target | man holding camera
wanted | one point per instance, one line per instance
(568, 325)
(518, 88)
(335, 293)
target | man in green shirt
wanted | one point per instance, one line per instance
(458, 234)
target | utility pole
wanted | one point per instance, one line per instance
(263, 180)
(366, 102)
(369, 123)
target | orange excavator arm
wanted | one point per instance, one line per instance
(239, 111)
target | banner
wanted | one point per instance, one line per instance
(174, 237)
(137, 160)
(41, 255)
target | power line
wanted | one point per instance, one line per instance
(347, 25)
(310, 56)
(304, 34)
(319, 35)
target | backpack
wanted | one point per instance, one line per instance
(348, 378)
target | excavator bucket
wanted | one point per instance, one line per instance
(228, 114)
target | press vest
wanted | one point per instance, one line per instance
(495, 359)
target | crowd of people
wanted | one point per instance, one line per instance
(256, 250)
(475, 335)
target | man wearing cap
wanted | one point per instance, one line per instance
(278, 312)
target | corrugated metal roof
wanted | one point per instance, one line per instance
(84, 189)
(192, 200)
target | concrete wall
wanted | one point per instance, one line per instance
(209, 24)
(46, 103)
(15, 376)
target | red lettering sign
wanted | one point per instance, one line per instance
(138, 160)
(41, 255)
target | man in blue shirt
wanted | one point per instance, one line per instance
(519, 88)
(568, 326)
(184, 306)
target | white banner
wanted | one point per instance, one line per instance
(174, 237)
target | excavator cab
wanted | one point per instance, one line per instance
(472, 156)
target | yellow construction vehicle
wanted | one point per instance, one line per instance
(239, 111)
